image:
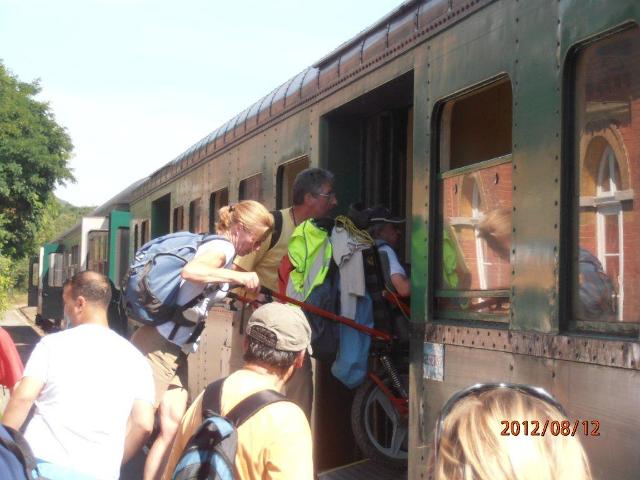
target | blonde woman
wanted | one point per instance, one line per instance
(470, 442)
(242, 228)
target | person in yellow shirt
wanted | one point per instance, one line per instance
(313, 197)
(275, 443)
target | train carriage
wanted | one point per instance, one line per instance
(507, 132)
(98, 242)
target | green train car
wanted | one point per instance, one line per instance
(98, 242)
(508, 132)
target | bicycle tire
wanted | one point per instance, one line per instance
(371, 405)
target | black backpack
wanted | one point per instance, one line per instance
(16, 458)
(211, 451)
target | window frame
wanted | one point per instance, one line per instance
(195, 209)
(242, 186)
(178, 219)
(280, 173)
(572, 169)
(440, 139)
(213, 206)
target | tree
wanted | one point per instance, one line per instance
(34, 151)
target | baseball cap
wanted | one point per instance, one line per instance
(287, 322)
(381, 214)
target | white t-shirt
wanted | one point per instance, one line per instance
(91, 378)
(394, 264)
(188, 291)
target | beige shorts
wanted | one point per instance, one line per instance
(168, 363)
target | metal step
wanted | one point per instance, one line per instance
(363, 470)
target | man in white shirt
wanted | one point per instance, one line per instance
(93, 391)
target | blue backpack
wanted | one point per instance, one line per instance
(211, 451)
(16, 458)
(153, 281)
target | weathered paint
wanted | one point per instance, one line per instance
(529, 43)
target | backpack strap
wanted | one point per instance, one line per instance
(212, 400)
(19, 447)
(277, 228)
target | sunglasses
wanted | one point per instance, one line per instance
(479, 388)
(328, 196)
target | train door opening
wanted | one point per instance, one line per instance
(34, 279)
(97, 256)
(161, 216)
(50, 303)
(178, 219)
(367, 144)
(194, 216)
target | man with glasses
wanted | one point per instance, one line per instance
(313, 197)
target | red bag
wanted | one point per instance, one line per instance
(284, 271)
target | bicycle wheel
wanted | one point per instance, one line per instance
(380, 431)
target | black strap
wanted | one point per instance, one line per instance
(277, 228)
(22, 451)
(245, 409)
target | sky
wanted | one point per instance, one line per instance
(137, 82)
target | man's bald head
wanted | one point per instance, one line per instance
(93, 286)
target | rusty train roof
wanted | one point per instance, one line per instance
(413, 21)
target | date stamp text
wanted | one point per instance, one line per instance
(555, 428)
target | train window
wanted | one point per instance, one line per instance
(56, 269)
(178, 218)
(473, 274)
(135, 238)
(251, 188)
(476, 127)
(144, 232)
(194, 215)
(286, 175)
(607, 152)
(217, 200)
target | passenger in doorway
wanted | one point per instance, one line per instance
(386, 231)
(243, 226)
(93, 391)
(468, 441)
(313, 197)
(274, 443)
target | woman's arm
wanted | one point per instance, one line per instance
(209, 268)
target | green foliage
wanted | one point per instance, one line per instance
(6, 283)
(57, 217)
(34, 151)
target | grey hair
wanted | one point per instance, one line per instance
(260, 353)
(310, 180)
